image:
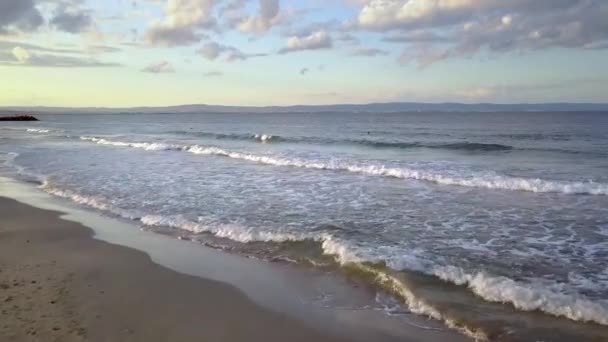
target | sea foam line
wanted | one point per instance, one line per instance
(523, 296)
(476, 180)
(38, 130)
(527, 296)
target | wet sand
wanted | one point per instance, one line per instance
(57, 283)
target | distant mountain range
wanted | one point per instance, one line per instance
(394, 107)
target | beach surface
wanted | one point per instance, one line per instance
(57, 283)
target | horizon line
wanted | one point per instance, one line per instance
(12, 107)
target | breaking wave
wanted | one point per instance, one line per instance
(524, 296)
(487, 180)
(38, 130)
(263, 138)
(266, 138)
(140, 145)
(379, 267)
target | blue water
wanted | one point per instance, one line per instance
(511, 207)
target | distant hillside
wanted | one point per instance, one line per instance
(393, 107)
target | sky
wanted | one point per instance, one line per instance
(117, 53)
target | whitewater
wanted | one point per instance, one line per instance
(481, 180)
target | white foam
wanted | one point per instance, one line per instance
(487, 180)
(10, 156)
(419, 306)
(263, 137)
(139, 145)
(96, 202)
(528, 296)
(230, 231)
(38, 130)
(9, 162)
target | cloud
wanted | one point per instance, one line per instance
(314, 41)
(267, 16)
(369, 52)
(99, 49)
(436, 30)
(307, 29)
(5, 44)
(213, 74)
(167, 36)
(417, 36)
(495, 92)
(213, 51)
(19, 15)
(20, 56)
(391, 14)
(71, 19)
(162, 67)
(424, 56)
(233, 7)
(184, 19)
(348, 38)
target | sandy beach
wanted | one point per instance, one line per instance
(57, 283)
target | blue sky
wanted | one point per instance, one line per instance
(278, 52)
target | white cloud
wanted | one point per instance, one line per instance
(461, 28)
(267, 16)
(213, 73)
(315, 41)
(213, 51)
(369, 52)
(159, 68)
(182, 23)
(35, 56)
(21, 54)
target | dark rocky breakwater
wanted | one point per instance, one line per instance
(18, 118)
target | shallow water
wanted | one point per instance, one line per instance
(450, 212)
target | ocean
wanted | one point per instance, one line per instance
(495, 224)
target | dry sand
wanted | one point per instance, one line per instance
(57, 283)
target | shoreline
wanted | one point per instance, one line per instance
(59, 283)
(150, 301)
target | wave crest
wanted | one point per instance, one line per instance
(139, 145)
(38, 130)
(265, 138)
(476, 180)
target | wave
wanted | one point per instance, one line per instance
(139, 145)
(96, 202)
(524, 296)
(479, 180)
(487, 180)
(29, 130)
(380, 265)
(265, 138)
(38, 130)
